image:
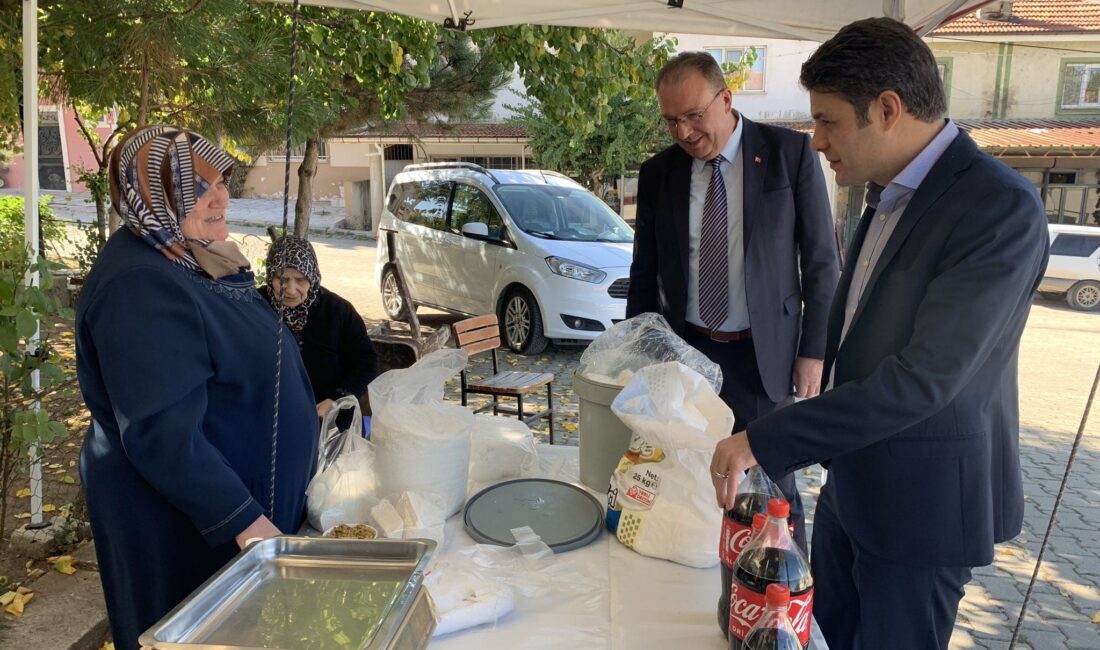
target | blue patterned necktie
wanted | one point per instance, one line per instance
(714, 251)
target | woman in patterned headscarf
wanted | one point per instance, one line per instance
(182, 463)
(338, 354)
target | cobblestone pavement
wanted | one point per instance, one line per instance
(1058, 360)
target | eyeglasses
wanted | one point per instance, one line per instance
(693, 117)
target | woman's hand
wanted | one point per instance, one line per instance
(262, 528)
(323, 407)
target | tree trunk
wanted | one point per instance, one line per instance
(306, 171)
(114, 221)
(102, 219)
(143, 100)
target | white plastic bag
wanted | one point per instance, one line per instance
(645, 340)
(344, 492)
(343, 485)
(501, 449)
(661, 502)
(421, 443)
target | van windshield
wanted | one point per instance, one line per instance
(566, 213)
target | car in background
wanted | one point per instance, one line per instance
(1073, 272)
(534, 247)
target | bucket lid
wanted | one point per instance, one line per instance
(563, 515)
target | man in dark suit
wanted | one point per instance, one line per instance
(920, 428)
(734, 245)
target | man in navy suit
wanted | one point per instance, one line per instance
(734, 245)
(920, 427)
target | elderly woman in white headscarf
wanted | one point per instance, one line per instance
(183, 463)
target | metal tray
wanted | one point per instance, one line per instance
(297, 593)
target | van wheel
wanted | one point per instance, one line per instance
(1084, 295)
(392, 301)
(521, 323)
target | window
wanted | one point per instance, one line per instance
(488, 162)
(943, 67)
(471, 205)
(424, 204)
(299, 152)
(398, 152)
(567, 213)
(1081, 85)
(732, 55)
(1075, 245)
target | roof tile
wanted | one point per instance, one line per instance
(1031, 17)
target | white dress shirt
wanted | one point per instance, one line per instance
(732, 172)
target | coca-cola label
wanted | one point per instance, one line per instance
(747, 606)
(800, 611)
(735, 537)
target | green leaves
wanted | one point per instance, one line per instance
(21, 309)
(574, 74)
(26, 324)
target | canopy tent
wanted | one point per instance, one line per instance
(811, 20)
(814, 20)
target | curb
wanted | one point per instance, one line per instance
(77, 600)
(343, 233)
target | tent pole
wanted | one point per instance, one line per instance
(30, 212)
(894, 9)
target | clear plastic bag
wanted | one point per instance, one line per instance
(343, 485)
(421, 443)
(645, 340)
(483, 583)
(333, 442)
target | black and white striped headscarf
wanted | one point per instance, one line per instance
(290, 252)
(158, 174)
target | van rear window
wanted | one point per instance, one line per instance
(1075, 245)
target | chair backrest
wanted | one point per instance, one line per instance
(477, 334)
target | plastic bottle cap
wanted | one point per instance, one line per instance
(779, 508)
(777, 595)
(758, 521)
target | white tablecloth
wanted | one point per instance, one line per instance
(636, 603)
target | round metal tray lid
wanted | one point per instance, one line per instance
(563, 515)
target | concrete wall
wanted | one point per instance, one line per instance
(782, 97)
(265, 180)
(77, 151)
(1009, 80)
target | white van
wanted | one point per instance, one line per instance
(1074, 268)
(534, 247)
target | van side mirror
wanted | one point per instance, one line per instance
(475, 228)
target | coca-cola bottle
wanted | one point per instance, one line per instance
(774, 630)
(752, 497)
(771, 557)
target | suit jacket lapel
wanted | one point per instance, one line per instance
(840, 298)
(752, 149)
(939, 179)
(680, 192)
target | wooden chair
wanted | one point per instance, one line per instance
(483, 333)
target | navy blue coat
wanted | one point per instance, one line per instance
(921, 431)
(791, 264)
(178, 373)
